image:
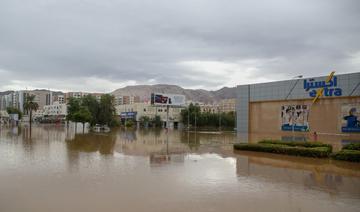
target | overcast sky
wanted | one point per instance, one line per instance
(102, 45)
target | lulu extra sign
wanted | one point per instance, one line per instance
(328, 87)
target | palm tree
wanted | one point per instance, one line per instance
(30, 106)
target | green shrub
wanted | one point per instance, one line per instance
(352, 146)
(129, 123)
(319, 152)
(297, 143)
(347, 155)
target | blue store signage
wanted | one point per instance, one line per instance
(128, 115)
(327, 88)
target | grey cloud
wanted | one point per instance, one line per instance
(141, 40)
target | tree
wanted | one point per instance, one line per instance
(89, 109)
(107, 110)
(190, 113)
(14, 110)
(83, 115)
(129, 123)
(93, 106)
(30, 105)
(144, 121)
(157, 121)
(207, 119)
(73, 107)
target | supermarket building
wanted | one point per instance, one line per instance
(326, 105)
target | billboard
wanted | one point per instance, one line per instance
(349, 118)
(295, 118)
(167, 99)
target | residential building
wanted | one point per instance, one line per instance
(60, 99)
(118, 100)
(74, 95)
(126, 100)
(55, 110)
(208, 108)
(138, 110)
(4, 117)
(18, 98)
(227, 105)
(7, 101)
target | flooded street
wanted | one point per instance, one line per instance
(152, 170)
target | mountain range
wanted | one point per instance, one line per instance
(144, 92)
(197, 95)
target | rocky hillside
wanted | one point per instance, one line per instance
(199, 95)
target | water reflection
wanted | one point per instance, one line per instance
(102, 143)
(56, 169)
(309, 173)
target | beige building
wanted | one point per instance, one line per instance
(227, 105)
(126, 100)
(138, 110)
(42, 98)
(76, 95)
(223, 106)
(59, 98)
(208, 108)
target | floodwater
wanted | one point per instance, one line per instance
(52, 169)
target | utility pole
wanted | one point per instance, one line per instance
(188, 116)
(195, 122)
(167, 116)
(219, 112)
(125, 116)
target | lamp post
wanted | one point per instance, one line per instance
(195, 122)
(219, 112)
(125, 116)
(188, 117)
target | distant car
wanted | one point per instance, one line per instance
(101, 128)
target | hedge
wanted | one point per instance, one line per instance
(352, 146)
(318, 152)
(347, 155)
(297, 143)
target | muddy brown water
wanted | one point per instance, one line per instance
(54, 169)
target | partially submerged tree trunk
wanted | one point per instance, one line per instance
(30, 118)
(83, 127)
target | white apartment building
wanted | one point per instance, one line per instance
(38, 114)
(17, 99)
(146, 109)
(61, 99)
(55, 110)
(7, 101)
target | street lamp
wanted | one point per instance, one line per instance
(188, 117)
